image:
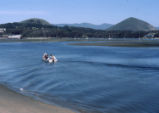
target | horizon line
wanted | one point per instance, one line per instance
(74, 22)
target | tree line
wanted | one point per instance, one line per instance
(38, 30)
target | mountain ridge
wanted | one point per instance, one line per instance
(103, 26)
(41, 28)
(132, 24)
(35, 21)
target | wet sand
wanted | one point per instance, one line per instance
(12, 102)
(123, 43)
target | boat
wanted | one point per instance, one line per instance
(49, 60)
(52, 61)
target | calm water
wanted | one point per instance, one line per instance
(90, 79)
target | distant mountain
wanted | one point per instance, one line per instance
(87, 25)
(157, 28)
(132, 24)
(36, 21)
(40, 28)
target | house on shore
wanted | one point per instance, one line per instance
(14, 36)
(2, 30)
(150, 35)
(10, 36)
(4, 35)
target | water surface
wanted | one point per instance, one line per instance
(87, 78)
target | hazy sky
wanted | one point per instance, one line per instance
(77, 11)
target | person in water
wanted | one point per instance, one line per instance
(52, 57)
(45, 56)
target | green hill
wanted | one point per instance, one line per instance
(88, 25)
(132, 24)
(36, 21)
(41, 28)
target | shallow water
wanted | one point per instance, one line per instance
(90, 79)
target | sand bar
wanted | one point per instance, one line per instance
(123, 43)
(12, 102)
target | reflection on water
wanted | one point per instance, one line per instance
(92, 79)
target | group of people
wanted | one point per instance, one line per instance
(48, 58)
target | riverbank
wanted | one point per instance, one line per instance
(42, 39)
(116, 42)
(12, 102)
(122, 43)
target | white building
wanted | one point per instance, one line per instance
(2, 30)
(15, 36)
(150, 35)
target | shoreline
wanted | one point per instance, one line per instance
(45, 39)
(116, 42)
(122, 43)
(54, 39)
(12, 102)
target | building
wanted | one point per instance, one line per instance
(14, 36)
(150, 35)
(2, 30)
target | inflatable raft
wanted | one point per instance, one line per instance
(49, 60)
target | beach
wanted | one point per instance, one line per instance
(12, 102)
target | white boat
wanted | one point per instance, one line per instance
(50, 60)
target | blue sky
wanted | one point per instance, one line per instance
(78, 11)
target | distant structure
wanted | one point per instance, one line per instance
(14, 36)
(150, 35)
(2, 30)
(3, 35)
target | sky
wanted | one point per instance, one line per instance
(79, 11)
